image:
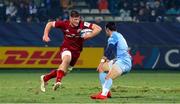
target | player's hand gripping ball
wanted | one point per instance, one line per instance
(84, 32)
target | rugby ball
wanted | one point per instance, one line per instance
(85, 31)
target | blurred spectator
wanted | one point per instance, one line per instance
(66, 4)
(43, 10)
(98, 20)
(102, 5)
(125, 11)
(134, 10)
(47, 4)
(148, 12)
(2, 11)
(38, 2)
(173, 11)
(91, 3)
(42, 13)
(32, 12)
(22, 12)
(56, 9)
(153, 16)
(142, 4)
(65, 15)
(141, 17)
(126, 6)
(32, 19)
(11, 11)
(32, 8)
(160, 9)
(178, 18)
(59, 18)
(113, 6)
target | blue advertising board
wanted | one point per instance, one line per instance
(156, 57)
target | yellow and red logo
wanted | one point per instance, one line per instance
(44, 57)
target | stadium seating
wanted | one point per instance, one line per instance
(118, 10)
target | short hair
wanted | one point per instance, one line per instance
(74, 13)
(111, 26)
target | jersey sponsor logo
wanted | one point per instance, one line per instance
(67, 30)
(87, 24)
(73, 36)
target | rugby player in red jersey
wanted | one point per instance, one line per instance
(71, 46)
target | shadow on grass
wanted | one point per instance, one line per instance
(147, 99)
(128, 97)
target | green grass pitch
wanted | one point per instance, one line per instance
(134, 87)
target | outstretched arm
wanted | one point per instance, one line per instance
(47, 29)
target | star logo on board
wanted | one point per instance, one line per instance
(138, 58)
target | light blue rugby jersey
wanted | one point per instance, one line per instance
(121, 51)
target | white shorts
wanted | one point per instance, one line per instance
(125, 67)
(67, 52)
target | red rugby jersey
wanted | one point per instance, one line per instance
(72, 39)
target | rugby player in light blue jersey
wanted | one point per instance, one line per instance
(116, 61)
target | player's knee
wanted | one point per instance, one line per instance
(116, 73)
(66, 59)
(105, 67)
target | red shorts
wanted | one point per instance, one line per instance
(74, 55)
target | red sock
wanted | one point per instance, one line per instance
(50, 75)
(60, 75)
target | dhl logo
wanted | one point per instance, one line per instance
(45, 57)
(40, 57)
